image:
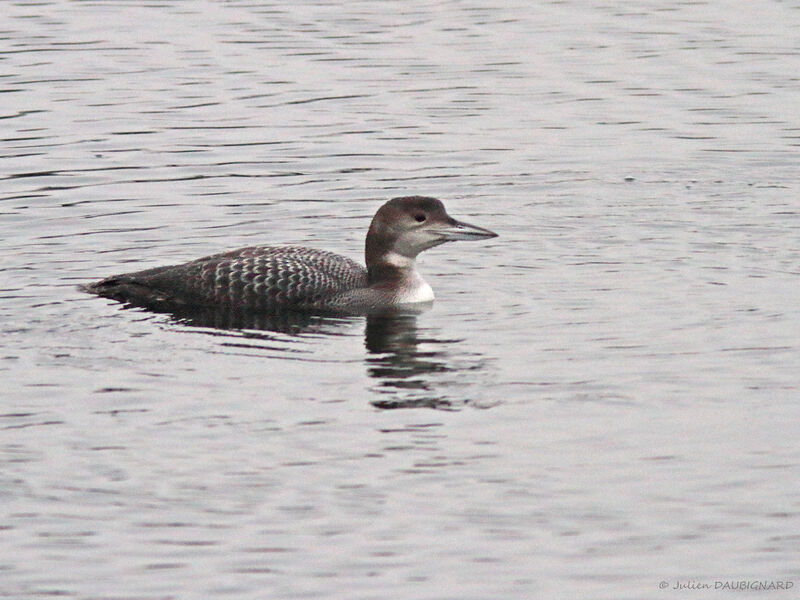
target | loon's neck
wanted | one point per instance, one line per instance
(397, 274)
(389, 267)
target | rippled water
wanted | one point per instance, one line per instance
(602, 398)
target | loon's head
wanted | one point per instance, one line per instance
(404, 227)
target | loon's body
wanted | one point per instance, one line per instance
(263, 278)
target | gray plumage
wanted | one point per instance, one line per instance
(253, 278)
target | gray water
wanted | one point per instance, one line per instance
(603, 398)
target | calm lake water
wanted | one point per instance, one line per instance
(602, 399)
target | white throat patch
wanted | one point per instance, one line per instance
(398, 260)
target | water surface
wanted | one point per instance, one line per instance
(602, 398)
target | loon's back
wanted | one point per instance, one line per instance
(253, 278)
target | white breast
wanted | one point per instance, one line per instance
(417, 290)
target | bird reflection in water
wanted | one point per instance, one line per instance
(399, 358)
(285, 322)
(402, 368)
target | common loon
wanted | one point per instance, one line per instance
(260, 278)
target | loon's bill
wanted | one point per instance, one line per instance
(263, 278)
(459, 230)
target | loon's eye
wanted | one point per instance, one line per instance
(420, 218)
